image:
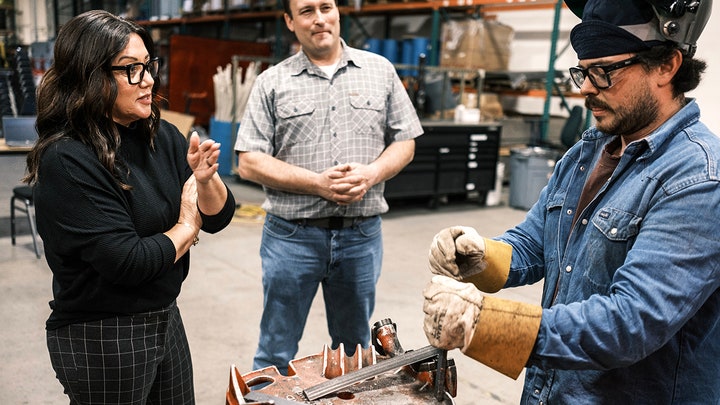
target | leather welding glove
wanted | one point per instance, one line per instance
(451, 312)
(461, 253)
(496, 332)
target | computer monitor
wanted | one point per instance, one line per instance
(19, 132)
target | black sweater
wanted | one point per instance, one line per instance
(104, 245)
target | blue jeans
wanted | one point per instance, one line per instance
(295, 261)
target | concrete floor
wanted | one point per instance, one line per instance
(221, 300)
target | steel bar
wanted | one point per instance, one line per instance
(344, 381)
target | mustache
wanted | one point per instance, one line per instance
(593, 102)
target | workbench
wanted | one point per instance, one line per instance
(13, 149)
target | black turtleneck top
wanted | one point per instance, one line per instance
(105, 245)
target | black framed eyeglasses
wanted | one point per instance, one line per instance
(136, 71)
(599, 75)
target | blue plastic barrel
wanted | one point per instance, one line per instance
(411, 50)
(374, 45)
(390, 50)
(223, 132)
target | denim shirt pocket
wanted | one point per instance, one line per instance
(555, 215)
(606, 253)
(551, 259)
(295, 120)
(555, 200)
(615, 224)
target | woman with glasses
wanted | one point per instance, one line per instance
(120, 197)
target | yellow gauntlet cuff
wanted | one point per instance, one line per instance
(497, 256)
(505, 335)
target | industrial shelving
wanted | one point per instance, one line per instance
(436, 8)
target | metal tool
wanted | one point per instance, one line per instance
(259, 398)
(442, 365)
(421, 95)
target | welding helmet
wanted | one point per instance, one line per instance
(611, 27)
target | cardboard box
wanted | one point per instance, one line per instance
(491, 110)
(475, 44)
(183, 122)
(490, 107)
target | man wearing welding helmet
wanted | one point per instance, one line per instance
(626, 235)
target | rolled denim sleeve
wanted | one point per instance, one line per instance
(670, 272)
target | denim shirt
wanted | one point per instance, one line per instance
(631, 305)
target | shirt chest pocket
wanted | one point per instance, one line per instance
(607, 247)
(369, 102)
(369, 111)
(295, 120)
(615, 224)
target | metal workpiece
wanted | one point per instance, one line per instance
(381, 373)
(385, 338)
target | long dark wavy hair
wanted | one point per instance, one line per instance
(77, 93)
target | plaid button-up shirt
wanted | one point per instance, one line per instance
(297, 114)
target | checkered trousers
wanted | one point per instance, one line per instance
(138, 359)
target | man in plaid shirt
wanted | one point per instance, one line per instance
(322, 131)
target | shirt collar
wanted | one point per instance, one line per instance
(688, 115)
(300, 62)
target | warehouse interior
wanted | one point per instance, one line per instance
(489, 81)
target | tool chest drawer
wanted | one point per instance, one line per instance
(451, 160)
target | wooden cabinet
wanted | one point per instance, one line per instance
(192, 63)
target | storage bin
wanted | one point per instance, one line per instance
(530, 170)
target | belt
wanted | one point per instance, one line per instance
(331, 222)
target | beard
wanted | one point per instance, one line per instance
(637, 112)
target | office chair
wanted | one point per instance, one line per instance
(570, 132)
(24, 195)
(573, 127)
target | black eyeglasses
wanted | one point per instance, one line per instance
(599, 75)
(136, 71)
